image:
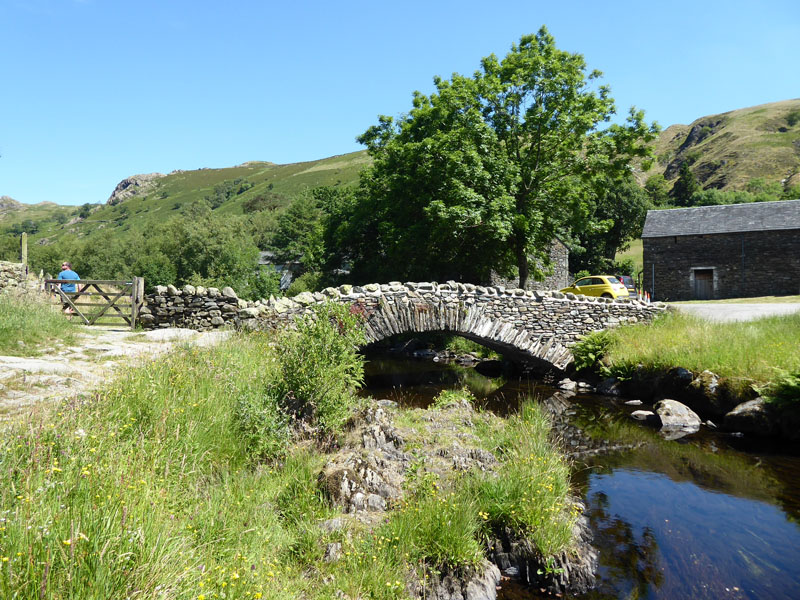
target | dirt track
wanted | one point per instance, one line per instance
(64, 371)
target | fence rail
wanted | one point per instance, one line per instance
(101, 297)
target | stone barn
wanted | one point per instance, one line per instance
(729, 251)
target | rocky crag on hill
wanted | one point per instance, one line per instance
(727, 150)
(135, 185)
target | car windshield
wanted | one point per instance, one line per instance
(626, 279)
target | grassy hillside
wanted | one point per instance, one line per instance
(231, 188)
(726, 151)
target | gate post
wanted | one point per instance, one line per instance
(23, 250)
(137, 297)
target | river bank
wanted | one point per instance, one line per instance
(743, 377)
(711, 515)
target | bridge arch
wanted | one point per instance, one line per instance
(389, 318)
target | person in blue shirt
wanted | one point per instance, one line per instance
(68, 274)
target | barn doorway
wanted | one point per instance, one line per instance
(704, 284)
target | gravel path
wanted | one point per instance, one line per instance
(64, 371)
(736, 312)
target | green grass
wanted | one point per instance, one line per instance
(530, 492)
(34, 324)
(744, 352)
(147, 489)
(634, 252)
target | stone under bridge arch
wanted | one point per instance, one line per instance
(388, 319)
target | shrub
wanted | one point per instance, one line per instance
(784, 389)
(321, 367)
(591, 349)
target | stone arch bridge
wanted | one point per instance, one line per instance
(528, 326)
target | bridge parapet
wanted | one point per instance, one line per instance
(531, 326)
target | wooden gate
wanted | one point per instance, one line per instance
(94, 300)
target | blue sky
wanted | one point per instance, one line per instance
(92, 91)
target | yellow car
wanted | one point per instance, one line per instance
(604, 286)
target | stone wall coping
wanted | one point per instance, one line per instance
(412, 289)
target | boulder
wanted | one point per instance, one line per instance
(753, 416)
(677, 419)
(610, 386)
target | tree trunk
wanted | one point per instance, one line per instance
(522, 261)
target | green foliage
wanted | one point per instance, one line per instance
(793, 118)
(227, 190)
(784, 389)
(626, 266)
(307, 282)
(685, 187)
(265, 201)
(85, 210)
(446, 398)
(26, 226)
(613, 216)
(265, 282)
(299, 236)
(657, 190)
(482, 174)
(320, 367)
(759, 185)
(590, 350)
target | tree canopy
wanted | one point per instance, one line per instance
(483, 173)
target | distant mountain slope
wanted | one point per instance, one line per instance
(139, 201)
(725, 151)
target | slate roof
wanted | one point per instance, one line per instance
(729, 218)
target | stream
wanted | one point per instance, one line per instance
(708, 516)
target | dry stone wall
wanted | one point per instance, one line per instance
(14, 278)
(530, 326)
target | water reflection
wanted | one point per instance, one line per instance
(659, 538)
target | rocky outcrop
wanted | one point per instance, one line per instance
(8, 204)
(136, 185)
(571, 572)
(373, 471)
(479, 583)
(706, 396)
(369, 478)
(753, 416)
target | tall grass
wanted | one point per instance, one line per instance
(32, 323)
(530, 492)
(747, 352)
(149, 489)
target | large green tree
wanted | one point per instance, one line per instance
(618, 208)
(483, 173)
